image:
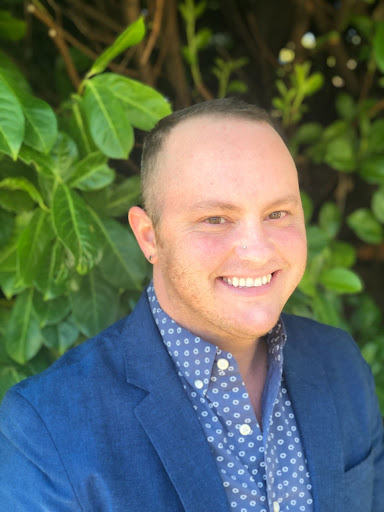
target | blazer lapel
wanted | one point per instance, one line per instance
(169, 419)
(317, 419)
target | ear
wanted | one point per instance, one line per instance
(143, 230)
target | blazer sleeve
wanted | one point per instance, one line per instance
(32, 476)
(378, 449)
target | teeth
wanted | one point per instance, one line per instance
(248, 282)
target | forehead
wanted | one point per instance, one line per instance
(226, 147)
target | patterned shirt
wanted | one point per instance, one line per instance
(262, 469)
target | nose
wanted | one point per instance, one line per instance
(253, 243)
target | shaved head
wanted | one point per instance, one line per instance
(155, 142)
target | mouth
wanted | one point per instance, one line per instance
(248, 282)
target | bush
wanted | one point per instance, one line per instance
(69, 266)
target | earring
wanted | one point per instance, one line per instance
(244, 247)
(150, 258)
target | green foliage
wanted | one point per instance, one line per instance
(65, 263)
(291, 99)
(68, 267)
(331, 291)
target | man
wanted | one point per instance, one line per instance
(205, 398)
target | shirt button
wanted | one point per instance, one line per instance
(276, 506)
(245, 430)
(222, 364)
(199, 384)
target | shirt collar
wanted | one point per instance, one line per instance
(195, 357)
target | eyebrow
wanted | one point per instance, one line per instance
(222, 205)
(213, 205)
(289, 199)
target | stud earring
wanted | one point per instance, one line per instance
(244, 247)
(150, 258)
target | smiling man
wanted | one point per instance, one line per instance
(206, 398)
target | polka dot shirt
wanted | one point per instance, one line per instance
(262, 469)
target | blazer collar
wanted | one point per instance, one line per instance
(316, 416)
(168, 417)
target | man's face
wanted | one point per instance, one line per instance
(231, 244)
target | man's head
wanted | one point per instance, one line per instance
(154, 142)
(228, 246)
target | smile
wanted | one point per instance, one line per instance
(247, 282)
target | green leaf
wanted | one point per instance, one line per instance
(202, 38)
(372, 169)
(340, 154)
(200, 8)
(44, 164)
(8, 263)
(122, 264)
(23, 337)
(76, 228)
(50, 311)
(125, 195)
(307, 206)
(132, 35)
(110, 130)
(52, 272)
(345, 106)
(11, 121)
(9, 376)
(341, 280)
(237, 86)
(366, 318)
(317, 240)
(26, 186)
(94, 304)
(40, 123)
(342, 254)
(15, 201)
(7, 222)
(337, 129)
(12, 75)
(143, 105)
(92, 173)
(11, 28)
(32, 244)
(307, 133)
(378, 45)
(64, 154)
(375, 142)
(330, 219)
(312, 84)
(365, 226)
(378, 204)
(326, 310)
(62, 336)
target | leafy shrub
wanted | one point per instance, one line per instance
(68, 268)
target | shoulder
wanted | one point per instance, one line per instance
(310, 335)
(312, 343)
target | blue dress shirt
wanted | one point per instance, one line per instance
(262, 469)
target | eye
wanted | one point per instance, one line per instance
(215, 220)
(277, 215)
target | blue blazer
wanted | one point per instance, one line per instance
(109, 427)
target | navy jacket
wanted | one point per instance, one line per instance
(110, 428)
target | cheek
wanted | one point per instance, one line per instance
(207, 246)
